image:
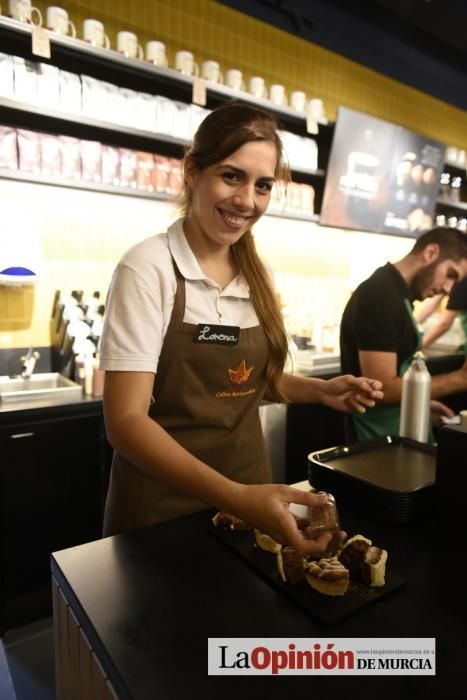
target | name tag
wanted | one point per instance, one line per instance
(216, 335)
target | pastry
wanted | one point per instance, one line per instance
(266, 542)
(230, 522)
(374, 569)
(328, 576)
(366, 563)
(291, 565)
(353, 555)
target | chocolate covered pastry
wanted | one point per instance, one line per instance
(291, 565)
(367, 564)
(230, 522)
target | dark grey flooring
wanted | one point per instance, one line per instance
(27, 663)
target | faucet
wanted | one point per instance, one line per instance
(28, 362)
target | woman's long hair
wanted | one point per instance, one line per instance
(224, 131)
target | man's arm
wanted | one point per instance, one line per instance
(444, 323)
(383, 366)
(426, 307)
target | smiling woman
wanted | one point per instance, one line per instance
(229, 173)
(194, 340)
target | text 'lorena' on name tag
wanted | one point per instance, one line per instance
(216, 335)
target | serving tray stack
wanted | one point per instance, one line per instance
(391, 479)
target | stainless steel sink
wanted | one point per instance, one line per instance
(51, 385)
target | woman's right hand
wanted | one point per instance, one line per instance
(266, 507)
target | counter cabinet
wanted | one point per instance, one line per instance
(52, 484)
(134, 613)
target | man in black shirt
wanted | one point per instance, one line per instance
(379, 335)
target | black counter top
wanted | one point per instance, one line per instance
(149, 600)
(17, 411)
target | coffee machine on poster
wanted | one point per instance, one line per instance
(380, 177)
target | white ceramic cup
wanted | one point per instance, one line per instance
(257, 86)
(185, 63)
(234, 79)
(277, 94)
(298, 100)
(463, 418)
(451, 154)
(57, 20)
(315, 108)
(155, 53)
(93, 32)
(210, 70)
(23, 11)
(127, 44)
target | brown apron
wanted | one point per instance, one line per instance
(206, 396)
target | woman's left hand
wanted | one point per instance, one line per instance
(352, 394)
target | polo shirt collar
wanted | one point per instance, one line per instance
(189, 266)
(400, 281)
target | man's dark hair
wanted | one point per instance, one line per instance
(452, 243)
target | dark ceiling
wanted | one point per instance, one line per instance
(422, 43)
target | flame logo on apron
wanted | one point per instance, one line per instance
(241, 374)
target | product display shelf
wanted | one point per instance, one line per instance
(286, 214)
(9, 107)
(318, 173)
(449, 204)
(79, 57)
(12, 110)
(17, 33)
(38, 179)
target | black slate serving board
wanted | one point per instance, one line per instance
(326, 609)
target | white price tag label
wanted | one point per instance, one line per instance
(199, 91)
(40, 42)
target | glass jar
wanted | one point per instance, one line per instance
(324, 518)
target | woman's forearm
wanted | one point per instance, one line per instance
(296, 389)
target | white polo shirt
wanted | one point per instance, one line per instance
(141, 298)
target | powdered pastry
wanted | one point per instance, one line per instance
(328, 576)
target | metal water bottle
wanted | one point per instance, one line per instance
(415, 401)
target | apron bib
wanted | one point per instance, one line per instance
(206, 396)
(384, 419)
